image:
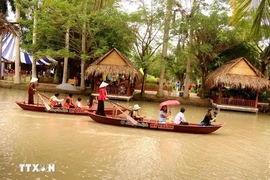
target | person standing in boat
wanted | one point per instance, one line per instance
(101, 98)
(68, 102)
(32, 90)
(54, 101)
(208, 118)
(163, 114)
(180, 117)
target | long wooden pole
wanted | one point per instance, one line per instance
(133, 121)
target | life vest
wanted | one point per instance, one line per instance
(67, 105)
(52, 103)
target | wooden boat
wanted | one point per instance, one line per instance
(74, 111)
(153, 124)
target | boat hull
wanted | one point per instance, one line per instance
(154, 125)
(73, 111)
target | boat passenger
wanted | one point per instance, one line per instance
(54, 101)
(78, 103)
(92, 101)
(68, 103)
(134, 113)
(180, 117)
(163, 114)
(208, 118)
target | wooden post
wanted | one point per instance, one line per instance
(220, 94)
(128, 93)
(256, 101)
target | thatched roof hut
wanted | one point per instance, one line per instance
(113, 63)
(238, 73)
(7, 27)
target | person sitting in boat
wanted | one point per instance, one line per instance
(134, 113)
(54, 101)
(78, 103)
(208, 118)
(92, 101)
(68, 102)
(163, 114)
(180, 117)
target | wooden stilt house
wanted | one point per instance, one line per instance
(118, 71)
(237, 74)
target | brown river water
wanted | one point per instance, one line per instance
(80, 148)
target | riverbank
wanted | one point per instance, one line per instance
(193, 100)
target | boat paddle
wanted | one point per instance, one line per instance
(120, 105)
(43, 95)
(133, 121)
(44, 102)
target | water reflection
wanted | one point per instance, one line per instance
(84, 149)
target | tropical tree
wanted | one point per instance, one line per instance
(146, 25)
(259, 9)
(256, 11)
(166, 37)
(67, 29)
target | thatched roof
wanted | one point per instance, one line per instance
(113, 63)
(238, 73)
(7, 27)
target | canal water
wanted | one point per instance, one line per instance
(79, 148)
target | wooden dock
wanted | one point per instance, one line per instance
(117, 97)
(235, 108)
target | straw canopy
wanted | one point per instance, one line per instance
(113, 63)
(238, 73)
(7, 27)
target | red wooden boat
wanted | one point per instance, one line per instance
(153, 124)
(74, 111)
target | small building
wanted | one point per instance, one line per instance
(118, 71)
(237, 76)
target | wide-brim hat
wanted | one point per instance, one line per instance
(136, 107)
(34, 79)
(103, 84)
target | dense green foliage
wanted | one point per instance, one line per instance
(199, 32)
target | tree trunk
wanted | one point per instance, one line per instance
(56, 78)
(204, 74)
(187, 79)
(160, 92)
(143, 83)
(83, 52)
(64, 80)
(82, 75)
(17, 79)
(34, 64)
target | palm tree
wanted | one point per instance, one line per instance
(260, 24)
(262, 14)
